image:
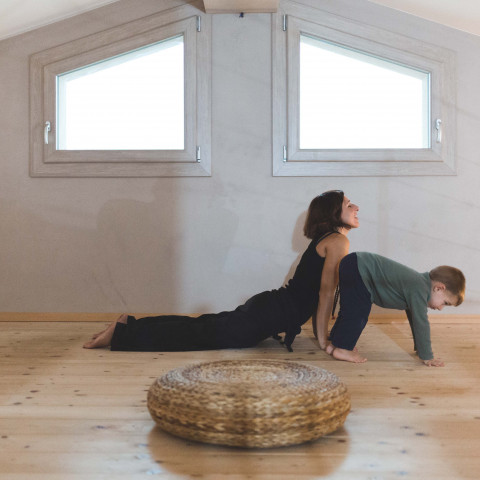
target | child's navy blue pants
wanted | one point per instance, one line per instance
(355, 305)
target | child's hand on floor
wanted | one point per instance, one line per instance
(434, 362)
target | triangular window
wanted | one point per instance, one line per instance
(353, 99)
(131, 101)
(350, 100)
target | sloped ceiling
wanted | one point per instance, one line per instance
(460, 14)
(18, 16)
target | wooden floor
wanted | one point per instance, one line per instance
(70, 413)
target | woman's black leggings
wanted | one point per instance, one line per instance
(262, 316)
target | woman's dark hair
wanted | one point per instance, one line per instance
(324, 214)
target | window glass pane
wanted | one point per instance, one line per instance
(133, 101)
(353, 100)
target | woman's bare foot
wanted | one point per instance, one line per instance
(95, 335)
(345, 355)
(104, 338)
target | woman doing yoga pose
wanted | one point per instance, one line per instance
(310, 293)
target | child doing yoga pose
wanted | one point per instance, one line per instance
(366, 278)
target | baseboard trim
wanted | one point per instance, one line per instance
(110, 317)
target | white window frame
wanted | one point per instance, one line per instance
(289, 160)
(45, 66)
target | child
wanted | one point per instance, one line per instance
(366, 278)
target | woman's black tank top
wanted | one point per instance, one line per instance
(305, 283)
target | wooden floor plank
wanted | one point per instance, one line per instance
(71, 413)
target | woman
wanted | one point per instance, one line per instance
(330, 217)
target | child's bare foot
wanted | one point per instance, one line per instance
(329, 351)
(104, 338)
(345, 355)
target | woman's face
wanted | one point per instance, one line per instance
(349, 213)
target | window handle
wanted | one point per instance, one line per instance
(438, 127)
(45, 132)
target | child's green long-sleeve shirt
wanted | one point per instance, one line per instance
(393, 285)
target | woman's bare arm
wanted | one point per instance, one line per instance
(334, 250)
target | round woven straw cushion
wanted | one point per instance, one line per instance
(249, 403)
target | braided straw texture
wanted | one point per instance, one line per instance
(249, 403)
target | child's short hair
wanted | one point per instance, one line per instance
(452, 278)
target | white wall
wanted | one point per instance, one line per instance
(205, 244)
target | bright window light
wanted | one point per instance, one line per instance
(133, 101)
(352, 100)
